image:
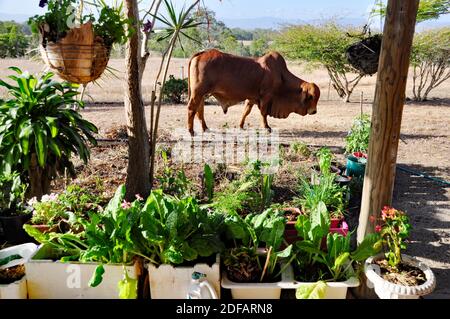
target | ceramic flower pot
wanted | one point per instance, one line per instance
(387, 290)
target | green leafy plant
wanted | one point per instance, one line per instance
(393, 231)
(111, 25)
(65, 208)
(357, 139)
(12, 194)
(109, 236)
(326, 191)
(175, 231)
(173, 182)
(325, 157)
(252, 192)
(208, 182)
(265, 230)
(174, 89)
(334, 263)
(40, 131)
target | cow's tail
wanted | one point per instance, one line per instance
(189, 72)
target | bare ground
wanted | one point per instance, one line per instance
(424, 147)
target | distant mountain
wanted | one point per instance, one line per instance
(20, 18)
(278, 23)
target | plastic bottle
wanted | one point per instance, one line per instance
(200, 288)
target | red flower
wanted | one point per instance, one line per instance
(377, 228)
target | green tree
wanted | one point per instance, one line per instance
(321, 45)
(428, 9)
(430, 59)
(13, 41)
(259, 47)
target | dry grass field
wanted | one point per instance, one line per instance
(425, 144)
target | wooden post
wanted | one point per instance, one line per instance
(387, 111)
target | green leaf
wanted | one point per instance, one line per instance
(370, 246)
(316, 290)
(35, 233)
(40, 144)
(285, 253)
(341, 260)
(97, 276)
(127, 287)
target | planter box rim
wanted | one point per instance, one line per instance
(148, 264)
(284, 283)
(74, 262)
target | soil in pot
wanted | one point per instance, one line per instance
(11, 274)
(310, 273)
(405, 275)
(246, 270)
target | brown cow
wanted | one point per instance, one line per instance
(263, 81)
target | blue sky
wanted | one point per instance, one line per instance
(226, 9)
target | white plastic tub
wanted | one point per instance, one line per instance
(335, 290)
(172, 282)
(17, 289)
(258, 290)
(47, 279)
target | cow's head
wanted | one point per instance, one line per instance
(309, 96)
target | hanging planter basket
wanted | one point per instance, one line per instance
(79, 57)
(364, 55)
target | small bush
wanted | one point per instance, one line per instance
(358, 138)
(175, 89)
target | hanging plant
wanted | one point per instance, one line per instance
(364, 55)
(78, 46)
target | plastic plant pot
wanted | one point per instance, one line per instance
(13, 228)
(356, 167)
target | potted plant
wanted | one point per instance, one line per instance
(326, 272)
(60, 212)
(179, 237)
(12, 271)
(78, 46)
(99, 262)
(13, 211)
(394, 275)
(252, 265)
(357, 144)
(328, 191)
(250, 193)
(41, 131)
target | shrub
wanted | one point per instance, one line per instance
(39, 131)
(12, 194)
(321, 45)
(357, 139)
(430, 59)
(175, 89)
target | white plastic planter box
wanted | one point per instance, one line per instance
(258, 290)
(47, 279)
(17, 289)
(172, 282)
(387, 290)
(335, 290)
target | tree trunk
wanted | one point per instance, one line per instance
(387, 111)
(138, 172)
(39, 179)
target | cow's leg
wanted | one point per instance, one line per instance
(247, 110)
(201, 115)
(193, 106)
(263, 108)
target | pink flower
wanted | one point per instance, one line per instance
(125, 205)
(377, 228)
(372, 219)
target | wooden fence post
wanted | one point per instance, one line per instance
(387, 111)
